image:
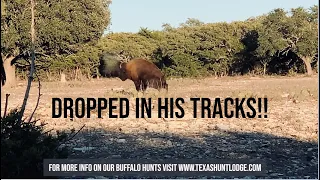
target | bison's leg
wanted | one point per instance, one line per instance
(138, 85)
(155, 83)
(144, 86)
(163, 85)
(166, 88)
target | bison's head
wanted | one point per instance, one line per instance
(123, 71)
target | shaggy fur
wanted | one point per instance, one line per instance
(144, 74)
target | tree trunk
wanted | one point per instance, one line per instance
(264, 69)
(10, 71)
(63, 78)
(32, 69)
(307, 63)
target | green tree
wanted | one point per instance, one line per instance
(298, 32)
(62, 27)
(192, 22)
(246, 60)
(167, 27)
(220, 42)
(175, 53)
(130, 45)
(198, 49)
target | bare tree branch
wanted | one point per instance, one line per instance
(38, 100)
(71, 136)
(32, 63)
(6, 105)
(39, 94)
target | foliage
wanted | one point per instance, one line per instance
(129, 45)
(276, 42)
(200, 49)
(64, 29)
(24, 146)
(298, 33)
(196, 49)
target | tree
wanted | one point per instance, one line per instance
(196, 49)
(167, 27)
(281, 33)
(32, 69)
(130, 45)
(192, 22)
(175, 53)
(62, 26)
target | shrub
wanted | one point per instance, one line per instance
(25, 145)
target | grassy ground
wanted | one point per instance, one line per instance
(287, 140)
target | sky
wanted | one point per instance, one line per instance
(130, 15)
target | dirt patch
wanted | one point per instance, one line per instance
(286, 140)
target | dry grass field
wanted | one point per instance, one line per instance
(287, 140)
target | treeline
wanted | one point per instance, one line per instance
(275, 43)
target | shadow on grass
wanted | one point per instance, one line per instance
(284, 157)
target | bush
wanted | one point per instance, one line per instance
(24, 146)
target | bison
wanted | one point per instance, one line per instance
(143, 73)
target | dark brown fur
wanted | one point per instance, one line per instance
(144, 74)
